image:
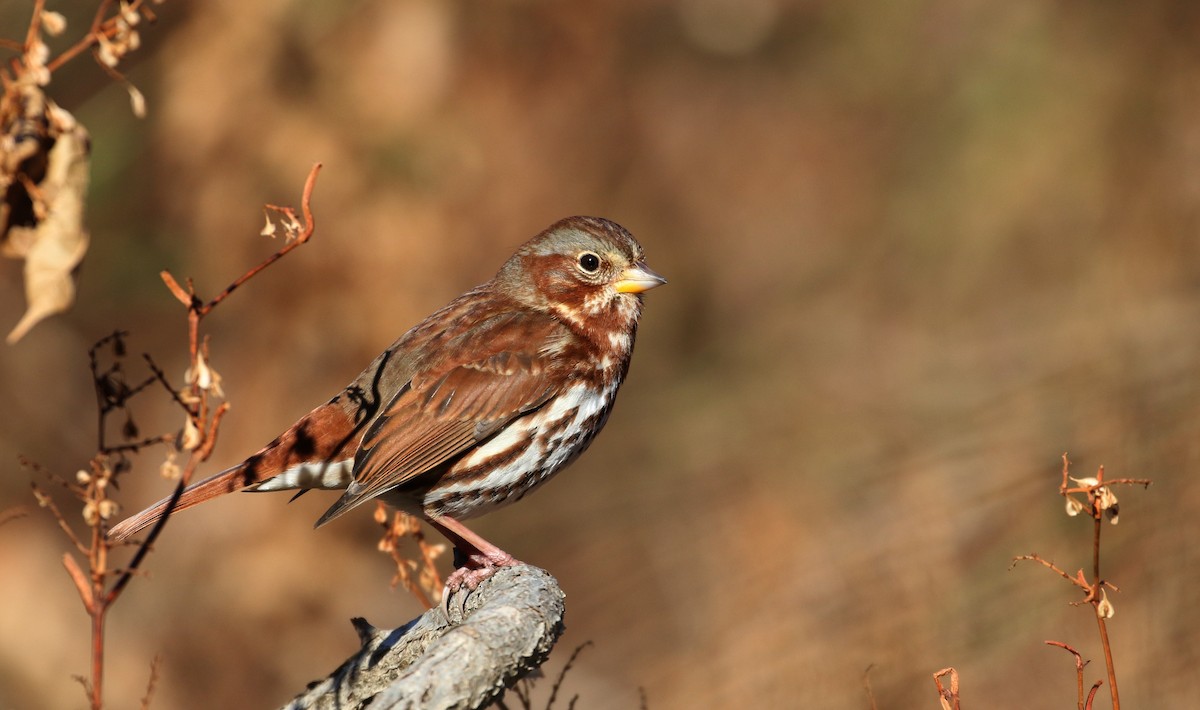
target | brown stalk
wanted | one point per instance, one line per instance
(562, 675)
(412, 574)
(35, 25)
(209, 427)
(866, 681)
(48, 502)
(1078, 580)
(1079, 665)
(11, 514)
(151, 683)
(101, 586)
(1097, 526)
(197, 308)
(948, 694)
(1100, 503)
(102, 26)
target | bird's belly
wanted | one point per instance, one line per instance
(522, 456)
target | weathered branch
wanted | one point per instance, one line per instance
(495, 636)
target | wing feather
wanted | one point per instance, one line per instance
(445, 411)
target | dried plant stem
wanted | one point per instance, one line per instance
(1098, 524)
(1101, 502)
(419, 577)
(35, 24)
(101, 585)
(948, 695)
(197, 409)
(866, 681)
(1079, 664)
(96, 604)
(101, 27)
(11, 514)
(151, 683)
(562, 675)
(97, 684)
(197, 308)
(47, 502)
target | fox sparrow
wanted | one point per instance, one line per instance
(477, 405)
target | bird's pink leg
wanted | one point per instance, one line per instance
(483, 558)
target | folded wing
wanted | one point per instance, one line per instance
(445, 411)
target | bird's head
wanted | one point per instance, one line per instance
(587, 271)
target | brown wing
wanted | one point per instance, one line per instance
(446, 410)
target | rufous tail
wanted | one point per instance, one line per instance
(230, 480)
(316, 452)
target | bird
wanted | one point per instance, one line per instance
(475, 406)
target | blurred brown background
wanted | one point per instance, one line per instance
(916, 251)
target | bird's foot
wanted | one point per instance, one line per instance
(476, 567)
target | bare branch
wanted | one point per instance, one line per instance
(80, 580)
(494, 636)
(152, 683)
(866, 681)
(309, 226)
(947, 695)
(1079, 664)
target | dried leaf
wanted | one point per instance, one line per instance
(169, 469)
(269, 228)
(108, 508)
(91, 513)
(106, 52)
(55, 245)
(53, 22)
(191, 438)
(129, 430)
(137, 101)
(129, 15)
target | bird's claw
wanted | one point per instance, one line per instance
(478, 567)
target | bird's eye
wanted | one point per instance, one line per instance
(589, 262)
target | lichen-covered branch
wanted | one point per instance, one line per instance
(493, 637)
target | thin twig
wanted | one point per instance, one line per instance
(14, 513)
(101, 27)
(162, 377)
(47, 502)
(210, 440)
(1108, 662)
(35, 25)
(144, 548)
(866, 680)
(152, 682)
(1079, 665)
(80, 580)
(301, 238)
(112, 395)
(947, 695)
(1098, 526)
(187, 299)
(136, 446)
(1078, 580)
(562, 675)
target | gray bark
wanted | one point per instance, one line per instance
(493, 637)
